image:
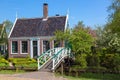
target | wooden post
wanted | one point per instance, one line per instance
(38, 63)
(62, 68)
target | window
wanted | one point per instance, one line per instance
(24, 46)
(14, 47)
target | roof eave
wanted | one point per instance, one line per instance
(66, 22)
(12, 28)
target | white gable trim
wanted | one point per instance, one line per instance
(66, 22)
(12, 28)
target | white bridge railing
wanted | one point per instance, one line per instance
(55, 54)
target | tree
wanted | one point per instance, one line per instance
(78, 37)
(108, 41)
(8, 25)
(80, 40)
(114, 17)
(109, 37)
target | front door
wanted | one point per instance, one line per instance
(35, 49)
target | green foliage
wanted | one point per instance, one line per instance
(114, 17)
(8, 26)
(78, 37)
(107, 61)
(3, 62)
(94, 76)
(24, 62)
(116, 62)
(21, 59)
(59, 35)
(11, 71)
(109, 36)
(80, 40)
(96, 69)
(93, 60)
(108, 41)
(80, 59)
(111, 62)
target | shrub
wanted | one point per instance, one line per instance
(3, 62)
(111, 62)
(93, 60)
(107, 61)
(96, 69)
(116, 62)
(24, 62)
(80, 60)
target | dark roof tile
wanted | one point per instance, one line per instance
(38, 27)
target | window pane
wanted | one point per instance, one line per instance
(24, 47)
(14, 47)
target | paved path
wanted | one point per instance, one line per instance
(32, 76)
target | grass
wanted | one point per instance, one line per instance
(94, 76)
(11, 71)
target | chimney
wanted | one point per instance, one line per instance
(45, 10)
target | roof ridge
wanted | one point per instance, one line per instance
(40, 17)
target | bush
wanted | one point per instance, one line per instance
(116, 63)
(21, 59)
(24, 62)
(96, 69)
(107, 61)
(93, 60)
(111, 62)
(3, 63)
(80, 60)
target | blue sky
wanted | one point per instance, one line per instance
(91, 12)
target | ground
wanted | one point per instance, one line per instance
(31, 76)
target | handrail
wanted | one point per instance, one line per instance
(55, 54)
(59, 56)
(46, 56)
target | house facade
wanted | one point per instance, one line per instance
(31, 37)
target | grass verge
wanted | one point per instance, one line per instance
(93, 76)
(11, 71)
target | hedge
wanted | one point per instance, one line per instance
(3, 63)
(23, 63)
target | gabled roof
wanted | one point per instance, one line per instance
(38, 27)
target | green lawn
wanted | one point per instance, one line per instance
(11, 71)
(95, 76)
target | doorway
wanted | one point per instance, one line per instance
(46, 45)
(35, 49)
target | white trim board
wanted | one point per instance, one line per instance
(12, 28)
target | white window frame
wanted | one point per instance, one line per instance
(21, 47)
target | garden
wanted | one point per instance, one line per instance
(18, 64)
